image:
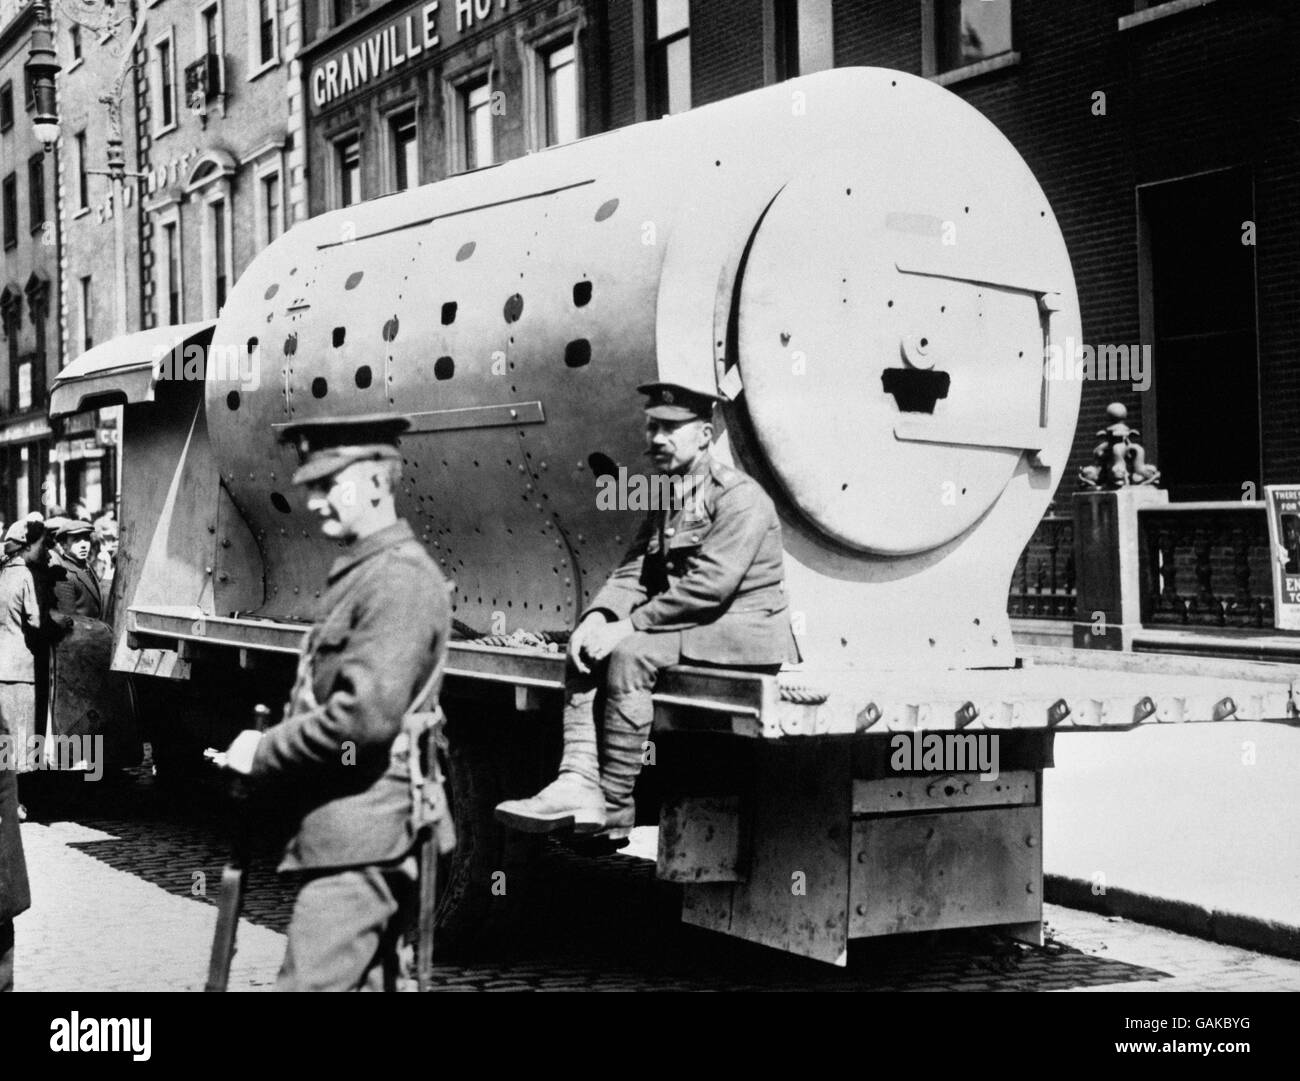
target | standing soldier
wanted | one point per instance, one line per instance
(702, 583)
(376, 648)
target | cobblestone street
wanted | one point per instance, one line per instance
(120, 872)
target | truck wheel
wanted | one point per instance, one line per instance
(483, 882)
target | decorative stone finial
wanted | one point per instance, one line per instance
(1119, 460)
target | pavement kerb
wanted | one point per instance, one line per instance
(1217, 925)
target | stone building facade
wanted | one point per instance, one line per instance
(29, 321)
(213, 117)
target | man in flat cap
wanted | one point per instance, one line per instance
(77, 590)
(702, 584)
(336, 757)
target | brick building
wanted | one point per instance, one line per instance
(404, 94)
(28, 277)
(1165, 135)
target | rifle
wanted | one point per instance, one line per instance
(435, 834)
(234, 875)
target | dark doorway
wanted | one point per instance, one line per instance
(1202, 326)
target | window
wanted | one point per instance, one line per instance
(36, 190)
(165, 105)
(86, 315)
(969, 31)
(172, 268)
(266, 30)
(74, 41)
(670, 66)
(404, 137)
(6, 106)
(347, 155)
(802, 38)
(211, 18)
(476, 105)
(271, 227)
(83, 195)
(24, 388)
(263, 35)
(170, 264)
(10, 210)
(1198, 285)
(561, 95)
(343, 10)
(220, 255)
(268, 193)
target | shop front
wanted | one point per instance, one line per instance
(27, 480)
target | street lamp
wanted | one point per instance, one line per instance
(42, 66)
(103, 18)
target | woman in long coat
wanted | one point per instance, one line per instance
(24, 633)
(14, 894)
(20, 616)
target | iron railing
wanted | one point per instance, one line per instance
(1205, 565)
(1043, 585)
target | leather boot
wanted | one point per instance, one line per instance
(568, 802)
(574, 799)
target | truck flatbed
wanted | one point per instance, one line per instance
(823, 702)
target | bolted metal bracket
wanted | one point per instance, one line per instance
(869, 715)
(1224, 709)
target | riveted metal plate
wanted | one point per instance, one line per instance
(930, 872)
(891, 795)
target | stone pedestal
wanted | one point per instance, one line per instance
(1106, 546)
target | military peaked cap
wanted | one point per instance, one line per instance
(328, 444)
(668, 401)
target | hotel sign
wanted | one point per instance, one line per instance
(423, 29)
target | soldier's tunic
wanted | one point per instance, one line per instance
(384, 623)
(702, 582)
(710, 569)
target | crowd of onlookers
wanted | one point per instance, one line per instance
(55, 567)
(100, 529)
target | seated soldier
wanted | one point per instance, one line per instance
(701, 584)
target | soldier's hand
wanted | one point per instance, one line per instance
(578, 639)
(239, 755)
(602, 640)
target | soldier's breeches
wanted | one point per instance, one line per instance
(634, 665)
(345, 928)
